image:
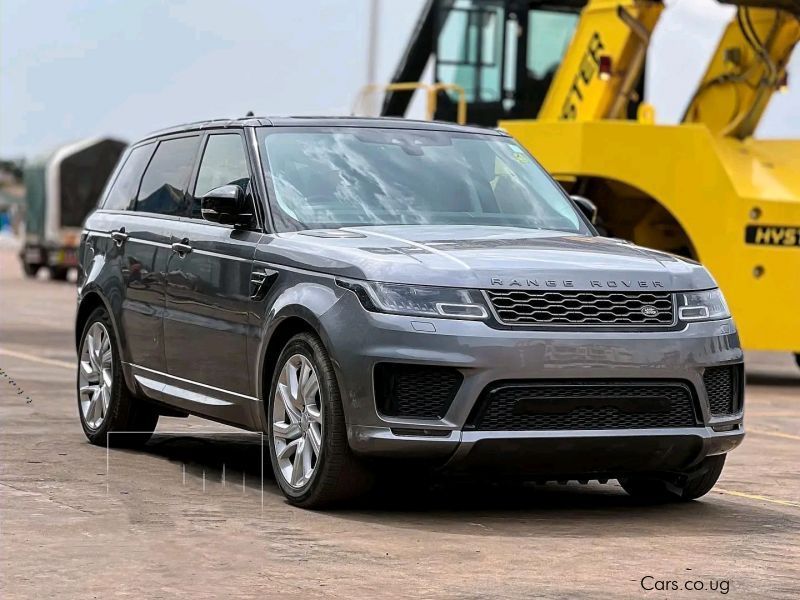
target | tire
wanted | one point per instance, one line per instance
(30, 269)
(308, 479)
(677, 488)
(59, 273)
(115, 410)
(797, 358)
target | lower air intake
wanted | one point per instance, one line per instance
(415, 391)
(584, 405)
(723, 389)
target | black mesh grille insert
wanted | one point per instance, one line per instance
(416, 391)
(588, 404)
(722, 388)
(526, 307)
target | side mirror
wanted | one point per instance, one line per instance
(587, 207)
(226, 204)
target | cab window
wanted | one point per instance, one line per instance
(549, 35)
(469, 51)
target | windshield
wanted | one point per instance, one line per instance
(338, 177)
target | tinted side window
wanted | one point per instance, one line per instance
(224, 163)
(123, 192)
(164, 183)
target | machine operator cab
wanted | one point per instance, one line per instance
(503, 53)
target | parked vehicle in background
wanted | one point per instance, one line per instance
(364, 289)
(60, 190)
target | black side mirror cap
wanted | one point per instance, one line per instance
(227, 205)
(587, 207)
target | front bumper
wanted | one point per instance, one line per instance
(485, 355)
(557, 454)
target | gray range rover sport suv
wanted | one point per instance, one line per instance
(372, 289)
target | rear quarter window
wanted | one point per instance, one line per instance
(122, 195)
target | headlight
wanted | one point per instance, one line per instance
(418, 300)
(702, 306)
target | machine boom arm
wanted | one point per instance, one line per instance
(748, 66)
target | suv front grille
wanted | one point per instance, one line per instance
(526, 307)
(723, 390)
(587, 404)
(415, 391)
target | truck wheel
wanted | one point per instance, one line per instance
(30, 269)
(797, 358)
(109, 413)
(59, 273)
(676, 488)
(308, 447)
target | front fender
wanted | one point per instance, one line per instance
(294, 305)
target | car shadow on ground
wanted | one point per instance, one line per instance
(479, 508)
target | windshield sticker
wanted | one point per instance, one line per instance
(519, 155)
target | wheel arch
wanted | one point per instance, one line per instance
(283, 331)
(90, 301)
(296, 307)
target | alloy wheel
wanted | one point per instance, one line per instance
(95, 375)
(297, 421)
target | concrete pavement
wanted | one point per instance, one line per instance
(190, 516)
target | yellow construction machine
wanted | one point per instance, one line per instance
(565, 78)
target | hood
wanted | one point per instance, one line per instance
(483, 257)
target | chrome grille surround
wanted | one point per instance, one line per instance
(582, 308)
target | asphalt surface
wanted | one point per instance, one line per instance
(191, 516)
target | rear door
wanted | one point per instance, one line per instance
(134, 280)
(139, 245)
(208, 293)
(146, 234)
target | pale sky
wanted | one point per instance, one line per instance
(76, 68)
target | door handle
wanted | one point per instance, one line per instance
(119, 236)
(182, 248)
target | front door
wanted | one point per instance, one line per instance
(208, 296)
